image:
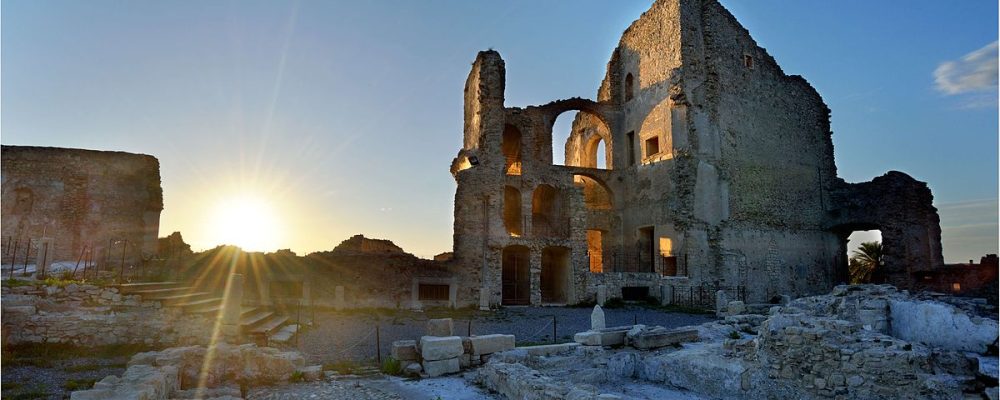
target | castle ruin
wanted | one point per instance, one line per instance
(101, 205)
(719, 173)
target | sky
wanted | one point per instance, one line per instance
(330, 118)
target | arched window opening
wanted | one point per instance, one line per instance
(547, 219)
(596, 195)
(596, 153)
(629, 87)
(555, 275)
(581, 139)
(864, 257)
(563, 137)
(516, 279)
(511, 148)
(512, 210)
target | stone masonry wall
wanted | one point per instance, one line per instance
(90, 315)
(97, 199)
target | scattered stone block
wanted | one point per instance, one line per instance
(312, 372)
(549, 349)
(736, 307)
(488, 344)
(434, 348)
(440, 327)
(441, 367)
(405, 350)
(597, 321)
(657, 338)
(413, 369)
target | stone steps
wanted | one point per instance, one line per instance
(285, 334)
(127, 288)
(195, 304)
(253, 320)
(174, 300)
(269, 326)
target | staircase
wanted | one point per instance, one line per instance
(255, 322)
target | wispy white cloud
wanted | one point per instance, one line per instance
(974, 72)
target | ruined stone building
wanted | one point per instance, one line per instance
(104, 203)
(719, 173)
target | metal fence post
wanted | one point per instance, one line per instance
(378, 344)
(554, 329)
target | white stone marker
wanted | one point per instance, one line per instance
(597, 319)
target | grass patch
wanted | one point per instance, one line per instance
(10, 385)
(62, 351)
(614, 302)
(32, 394)
(391, 366)
(73, 385)
(297, 376)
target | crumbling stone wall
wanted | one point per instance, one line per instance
(81, 198)
(721, 167)
(90, 315)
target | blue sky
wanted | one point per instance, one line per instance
(346, 115)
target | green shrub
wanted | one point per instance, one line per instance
(391, 366)
(73, 385)
(343, 367)
(297, 376)
(734, 335)
(614, 302)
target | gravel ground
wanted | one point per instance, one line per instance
(338, 336)
(49, 381)
(451, 388)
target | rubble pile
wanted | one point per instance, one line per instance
(862, 341)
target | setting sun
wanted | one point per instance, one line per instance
(245, 221)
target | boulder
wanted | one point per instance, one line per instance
(941, 325)
(434, 348)
(439, 327)
(488, 344)
(413, 369)
(441, 367)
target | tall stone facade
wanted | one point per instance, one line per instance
(719, 173)
(103, 202)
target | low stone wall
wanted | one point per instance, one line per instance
(197, 372)
(90, 315)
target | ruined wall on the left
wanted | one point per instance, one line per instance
(90, 315)
(107, 201)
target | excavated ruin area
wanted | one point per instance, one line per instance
(869, 341)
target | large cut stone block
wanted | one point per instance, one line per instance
(434, 348)
(488, 344)
(439, 327)
(661, 338)
(405, 350)
(441, 367)
(588, 338)
(549, 349)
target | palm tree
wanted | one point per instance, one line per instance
(863, 262)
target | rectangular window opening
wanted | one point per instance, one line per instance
(430, 292)
(631, 148)
(652, 146)
(748, 61)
